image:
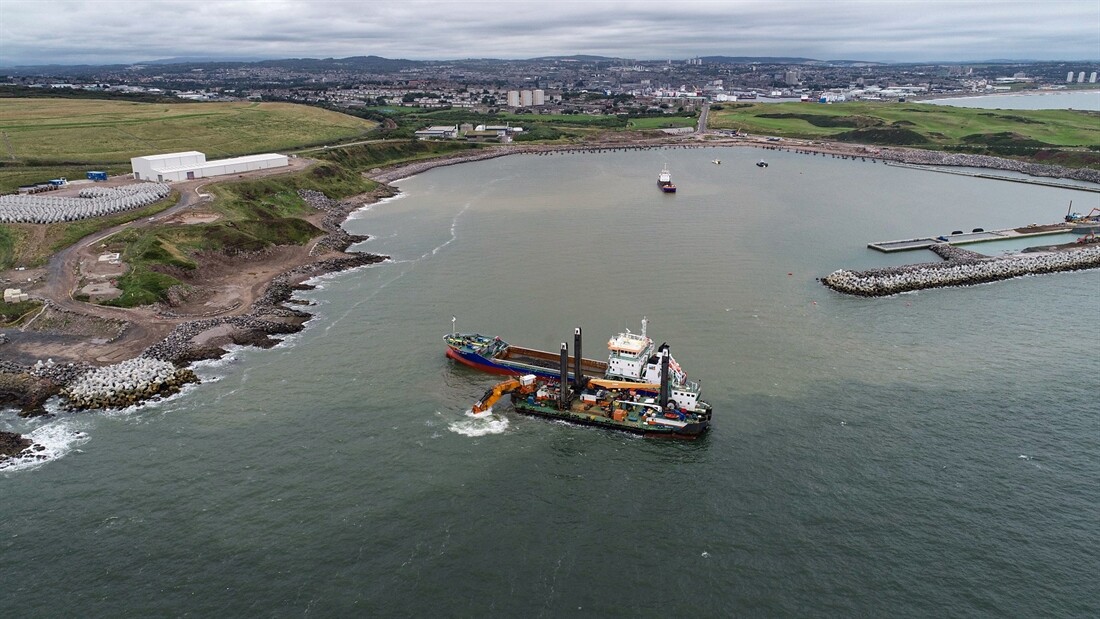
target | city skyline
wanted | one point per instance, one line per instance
(69, 32)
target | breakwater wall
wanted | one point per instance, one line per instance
(126, 383)
(961, 268)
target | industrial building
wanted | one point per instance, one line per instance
(437, 132)
(193, 164)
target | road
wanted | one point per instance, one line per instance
(701, 128)
(63, 268)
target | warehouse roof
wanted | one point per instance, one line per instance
(221, 162)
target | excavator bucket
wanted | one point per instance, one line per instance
(497, 391)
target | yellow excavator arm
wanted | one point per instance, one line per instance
(496, 392)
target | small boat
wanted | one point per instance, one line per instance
(761, 164)
(717, 162)
(664, 181)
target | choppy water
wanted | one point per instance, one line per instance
(926, 454)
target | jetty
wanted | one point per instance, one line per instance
(961, 267)
(978, 235)
(994, 177)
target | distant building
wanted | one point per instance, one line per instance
(1081, 77)
(193, 164)
(540, 96)
(438, 132)
(1069, 77)
(488, 136)
(526, 99)
(1092, 78)
(513, 98)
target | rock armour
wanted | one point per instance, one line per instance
(961, 269)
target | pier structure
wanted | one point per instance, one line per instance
(960, 268)
(995, 177)
(977, 236)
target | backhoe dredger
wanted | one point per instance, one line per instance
(652, 409)
(523, 384)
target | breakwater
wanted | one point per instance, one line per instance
(961, 268)
(125, 384)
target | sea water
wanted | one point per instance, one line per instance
(933, 453)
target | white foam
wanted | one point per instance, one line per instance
(479, 424)
(366, 208)
(318, 281)
(286, 341)
(208, 369)
(57, 438)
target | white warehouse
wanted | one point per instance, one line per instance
(193, 164)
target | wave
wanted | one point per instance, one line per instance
(479, 424)
(366, 208)
(53, 440)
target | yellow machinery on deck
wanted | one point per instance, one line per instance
(523, 384)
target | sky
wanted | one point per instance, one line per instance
(35, 32)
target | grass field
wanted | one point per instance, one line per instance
(932, 126)
(98, 133)
(11, 177)
(661, 122)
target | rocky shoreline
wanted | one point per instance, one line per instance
(12, 445)
(162, 369)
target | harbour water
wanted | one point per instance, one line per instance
(927, 454)
(1047, 100)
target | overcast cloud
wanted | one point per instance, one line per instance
(123, 31)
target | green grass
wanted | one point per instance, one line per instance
(12, 314)
(143, 286)
(256, 214)
(1027, 133)
(10, 237)
(661, 122)
(100, 132)
(363, 157)
(12, 177)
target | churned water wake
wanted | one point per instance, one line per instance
(479, 424)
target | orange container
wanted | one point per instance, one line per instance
(618, 415)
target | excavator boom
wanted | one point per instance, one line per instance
(496, 392)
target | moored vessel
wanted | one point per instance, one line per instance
(664, 181)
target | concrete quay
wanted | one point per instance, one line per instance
(995, 177)
(963, 238)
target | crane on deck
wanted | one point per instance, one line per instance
(523, 384)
